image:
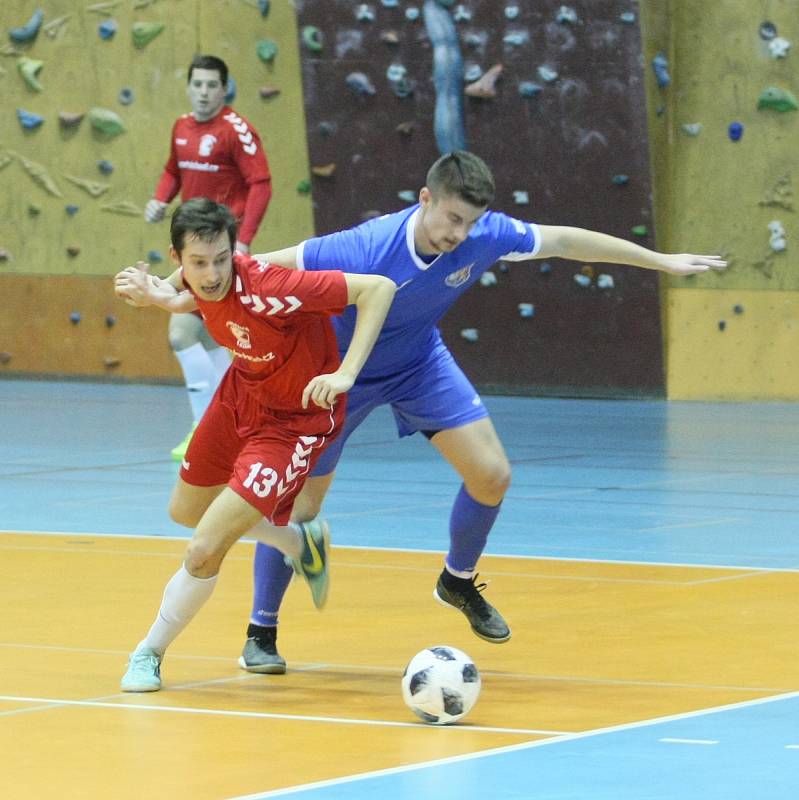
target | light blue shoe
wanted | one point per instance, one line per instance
(144, 672)
(312, 564)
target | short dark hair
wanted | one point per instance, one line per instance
(201, 61)
(202, 219)
(462, 174)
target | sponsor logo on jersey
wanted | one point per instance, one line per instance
(242, 335)
(206, 145)
(459, 277)
(198, 166)
(181, 141)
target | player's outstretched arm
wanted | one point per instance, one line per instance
(282, 258)
(372, 296)
(138, 288)
(579, 244)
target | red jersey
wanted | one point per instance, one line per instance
(275, 323)
(219, 159)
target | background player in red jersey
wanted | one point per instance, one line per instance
(277, 407)
(214, 153)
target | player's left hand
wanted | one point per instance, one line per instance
(132, 284)
(688, 264)
(324, 389)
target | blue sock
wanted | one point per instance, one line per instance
(271, 577)
(469, 524)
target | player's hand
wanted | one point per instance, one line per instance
(324, 389)
(132, 284)
(242, 248)
(155, 210)
(687, 264)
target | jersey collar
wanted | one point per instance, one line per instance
(410, 226)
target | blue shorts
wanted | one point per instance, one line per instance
(433, 396)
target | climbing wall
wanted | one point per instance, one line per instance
(724, 130)
(90, 92)
(552, 97)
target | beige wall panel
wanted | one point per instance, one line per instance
(40, 337)
(755, 357)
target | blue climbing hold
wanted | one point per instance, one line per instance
(28, 119)
(620, 180)
(738, 308)
(407, 196)
(155, 257)
(529, 88)
(360, 84)
(735, 131)
(125, 96)
(230, 95)
(27, 32)
(110, 321)
(660, 65)
(722, 324)
(105, 166)
(72, 209)
(75, 317)
(263, 7)
(107, 28)
(545, 268)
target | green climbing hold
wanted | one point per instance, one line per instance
(145, 32)
(106, 122)
(267, 50)
(304, 186)
(312, 38)
(640, 230)
(777, 99)
(29, 68)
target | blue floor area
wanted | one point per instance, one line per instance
(653, 482)
(692, 483)
(745, 752)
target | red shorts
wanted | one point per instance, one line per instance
(267, 462)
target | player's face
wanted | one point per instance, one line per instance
(444, 222)
(206, 93)
(207, 266)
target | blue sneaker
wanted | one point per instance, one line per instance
(144, 672)
(312, 564)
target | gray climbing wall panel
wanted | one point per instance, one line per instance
(581, 123)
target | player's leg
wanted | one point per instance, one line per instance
(190, 342)
(271, 576)
(441, 403)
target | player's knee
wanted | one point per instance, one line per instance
(203, 559)
(493, 479)
(182, 339)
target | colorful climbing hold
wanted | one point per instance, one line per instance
(359, 83)
(582, 280)
(692, 128)
(767, 30)
(777, 99)
(521, 197)
(620, 180)
(605, 281)
(364, 13)
(75, 317)
(660, 66)
(106, 122)
(230, 90)
(268, 92)
(627, 17)
(530, 88)
(312, 38)
(34, 210)
(738, 309)
(155, 256)
(29, 68)
(23, 34)
(264, 6)
(324, 170)
(779, 47)
(545, 268)
(69, 119)
(470, 334)
(526, 310)
(107, 29)
(125, 96)
(145, 32)
(28, 119)
(72, 251)
(72, 209)
(547, 73)
(304, 186)
(110, 321)
(407, 196)
(566, 16)
(639, 230)
(412, 13)
(488, 279)
(266, 50)
(105, 166)
(735, 131)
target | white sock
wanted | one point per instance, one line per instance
(200, 375)
(220, 358)
(184, 596)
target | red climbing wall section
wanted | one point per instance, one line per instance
(566, 128)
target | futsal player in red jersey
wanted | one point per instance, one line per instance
(216, 153)
(277, 408)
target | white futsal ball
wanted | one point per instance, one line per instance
(440, 685)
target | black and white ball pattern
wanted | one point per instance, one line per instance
(441, 685)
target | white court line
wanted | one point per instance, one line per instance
(511, 748)
(747, 567)
(703, 523)
(792, 746)
(52, 702)
(305, 666)
(670, 740)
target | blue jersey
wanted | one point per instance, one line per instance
(425, 291)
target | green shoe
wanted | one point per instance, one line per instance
(144, 672)
(312, 564)
(179, 451)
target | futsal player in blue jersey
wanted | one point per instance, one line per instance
(434, 252)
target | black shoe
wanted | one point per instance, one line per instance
(260, 654)
(465, 595)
